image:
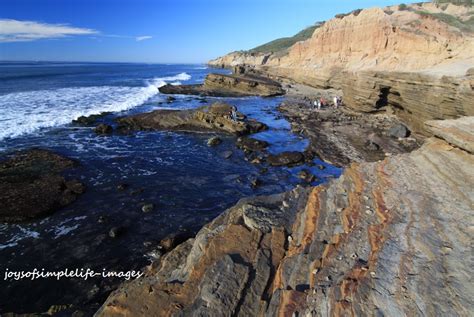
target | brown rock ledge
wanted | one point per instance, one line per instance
(220, 85)
(215, 117)
(386, 238)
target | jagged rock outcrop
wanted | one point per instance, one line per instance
(221, 85)
(413, 61)
(32, 185)
(386, 238)
(215, 117)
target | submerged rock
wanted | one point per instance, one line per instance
(307, 176)
(221, 85)
(103, 129)
(115, 232)
(227, 154)
(251, 144)
(32, 185)
(286, 159)
(215, 117)
(148, 207)
(214, 141)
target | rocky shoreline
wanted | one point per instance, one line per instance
(357, 245)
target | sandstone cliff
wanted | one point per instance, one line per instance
(385, 238)
(418, 61)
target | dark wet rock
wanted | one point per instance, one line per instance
(137, 191)
(255, 182)
(170, 99)
(227, 154)
(372, 146)
(89, 120)
(221, 85)
(172, 241)
(399, 131)
(251, 144)
(286, 159)
(103, 129)
(214, 141)
(148, 207)
(122, 186)
(307, 176)
(257, 160)
(116, 232)
(215, 117)
(32, 185)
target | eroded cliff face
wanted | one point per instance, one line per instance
(412, 62)
(386, 238)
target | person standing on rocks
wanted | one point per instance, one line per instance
(336, 101)
(233, 114)
(323, 102)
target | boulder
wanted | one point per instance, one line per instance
(148, 207)
(32, 185)
(307, 176)
(214, 141)
(286, 159)
(399, 131)
(115, 232)
(251, 144)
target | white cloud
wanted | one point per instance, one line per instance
(143, 38)
(24, 31)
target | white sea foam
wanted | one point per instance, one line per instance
(27, 112)
(23, 233)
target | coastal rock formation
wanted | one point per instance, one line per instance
(386, 238)
(221, 85)
(215, 117)
(31, 185)
(416, 60)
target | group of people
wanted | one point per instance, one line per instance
(321, 102)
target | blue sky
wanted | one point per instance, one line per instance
(166, 31)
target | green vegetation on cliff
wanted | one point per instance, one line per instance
(462, 25)
(285, 42)
(458, 2)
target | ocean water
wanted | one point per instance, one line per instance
(188, 182)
